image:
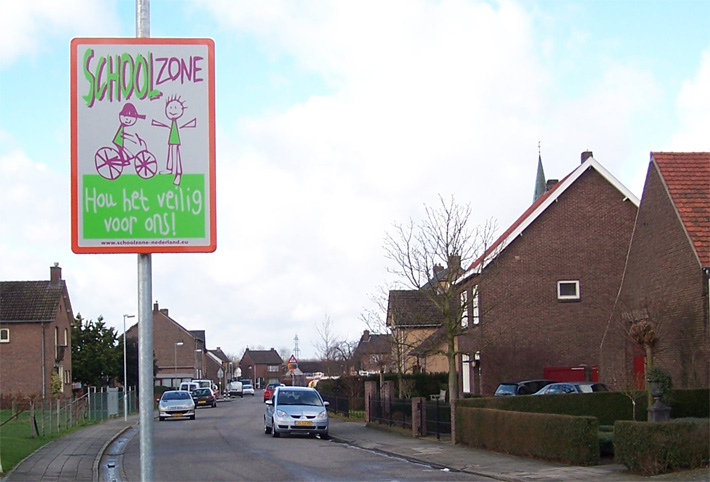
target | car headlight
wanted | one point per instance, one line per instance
(322, 415)
(281, 414)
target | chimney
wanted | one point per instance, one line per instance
(454, 263)
(366, 335)
(586, 155)
(55, 274)
(155, 306)
(550, 184)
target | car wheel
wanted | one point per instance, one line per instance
(267, 429)
(162, 419)
(192, 417)
(274, 433)
(325, 436)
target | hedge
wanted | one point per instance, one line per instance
(562, 438)
(655, 448)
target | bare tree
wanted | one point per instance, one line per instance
(329, 348)
(443, 237)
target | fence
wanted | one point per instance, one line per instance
(47, 416)
(337, 403)
(438, 418)
(434, 415)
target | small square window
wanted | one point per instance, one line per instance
(4, 335)
(568, 290)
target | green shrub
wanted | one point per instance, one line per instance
(568, 439)
(608, 407)
(655, 448)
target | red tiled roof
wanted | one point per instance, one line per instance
(687, 178)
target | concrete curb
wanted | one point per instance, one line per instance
(102, 451)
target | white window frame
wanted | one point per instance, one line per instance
(474, 308)
(464, 312)
(466, 372)
(576, 294)
(272, 368)
(4, 335)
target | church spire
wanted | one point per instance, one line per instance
(540, 182)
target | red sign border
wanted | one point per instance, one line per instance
(207, 248)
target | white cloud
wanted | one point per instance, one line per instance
(693, 104)
(26, 25)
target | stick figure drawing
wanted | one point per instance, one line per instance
(174, 110)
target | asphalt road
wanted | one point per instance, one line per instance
(228, 443)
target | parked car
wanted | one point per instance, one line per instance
(526, 387)
(296, 410)
(572, 387)
(176, 403)
(248, 389)
(270, 389)
(204, 396)
(189, 386)
(235, 389)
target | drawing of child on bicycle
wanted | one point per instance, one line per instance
(127, 147)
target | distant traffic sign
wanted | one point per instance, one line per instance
(143, 145)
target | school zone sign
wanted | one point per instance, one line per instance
(143, 145)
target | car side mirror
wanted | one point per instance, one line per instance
(269, 402)
(326, 403)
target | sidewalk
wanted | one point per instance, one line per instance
(77, 456)
(73, 457)
(497, 466)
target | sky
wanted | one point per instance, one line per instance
(334, 122)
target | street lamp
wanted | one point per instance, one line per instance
(125, 373)
(177, 344)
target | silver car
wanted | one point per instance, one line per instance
(296, 410)
(176, 403)
(572, 387)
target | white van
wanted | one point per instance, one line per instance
(189, 386)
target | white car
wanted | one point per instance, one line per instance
(248, 389)
(176, 403)
(296, 410)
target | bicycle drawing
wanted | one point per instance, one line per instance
(128, 147)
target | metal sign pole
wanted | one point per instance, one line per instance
(145, 316)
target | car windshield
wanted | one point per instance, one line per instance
(506, 389)
(287, 397)
(176, 396)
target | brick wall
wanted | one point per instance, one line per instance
(582, 236)
(664, 282)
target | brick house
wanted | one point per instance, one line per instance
(541, 295)
(372, 354)
(261, 366)
(35, 336)
(667, 276)
(179, 353)
(412, 318)
(214, 361)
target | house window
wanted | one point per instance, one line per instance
(464, 309)
(474, 308)
(273, 368)
(4, 335)
(568, 290)
(466, 371)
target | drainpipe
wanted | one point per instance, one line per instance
(44, 372)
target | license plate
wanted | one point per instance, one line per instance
(177, 414)
(202, 402)
(303, 423)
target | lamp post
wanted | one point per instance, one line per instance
(477, 359)
(125, 373)
(177, 344)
